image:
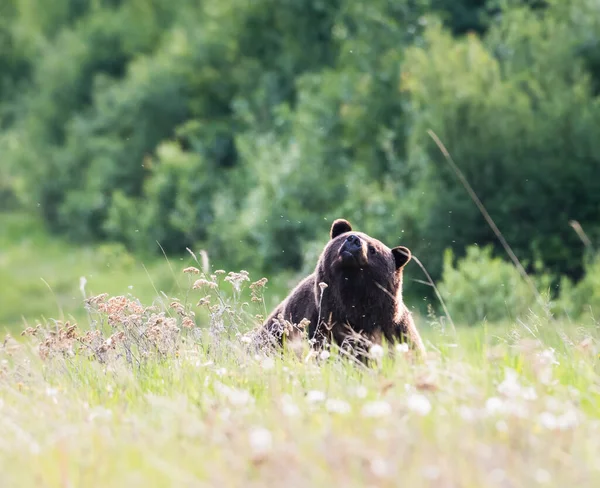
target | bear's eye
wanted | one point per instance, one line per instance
(372, 250)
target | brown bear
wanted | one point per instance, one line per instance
(354, 297)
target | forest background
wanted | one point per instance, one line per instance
(134, 130)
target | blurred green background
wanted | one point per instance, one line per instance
(245, 127)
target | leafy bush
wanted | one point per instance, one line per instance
(482, 287)
(582, 299)
(515, 111)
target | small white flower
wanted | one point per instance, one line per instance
(567, 420)
(548, 356)
(380, 468)
(324, 355)
(239, 398)
(466, 413)
(376, 409)
(542, 476)
(501, 426)
(419, 404)
(100, 413)
(261, 441)
(401, 348)
(529, 393)
(376, 352)
(361, 392)
(337, 406)
(224, 414)
(51, 392)
(548, 420)
(221, 371)
(494, 406)
(267, 363)
(315, 396)
(510, 387)
(288, 407)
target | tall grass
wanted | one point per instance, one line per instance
(146, 398)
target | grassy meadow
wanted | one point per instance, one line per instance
(457, 128)
(137, 395)
(41, 275)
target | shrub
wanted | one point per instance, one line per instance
(517, 112)
(482, 287)
(582, 299)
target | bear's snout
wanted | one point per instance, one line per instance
(353, 243)
(352, 251)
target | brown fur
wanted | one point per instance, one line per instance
(354, 294)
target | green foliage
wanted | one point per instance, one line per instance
(482, 287)
(516, 113)
(582, 299)
(245, 128)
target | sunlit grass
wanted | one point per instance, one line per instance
(40, 275)
(490, 406)
(143, 404)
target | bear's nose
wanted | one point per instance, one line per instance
(353, 241)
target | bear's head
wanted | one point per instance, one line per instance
(354, 259)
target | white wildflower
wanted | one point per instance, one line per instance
(267, 363)
(376, 352)
(376, 409)
(100, 413)
(542, 476)
(236, 397)
(51, 392)
(466, 413)
(337, 406)
(545, 361)
(401, 348)
(261, 441)
(494, 406)
(548, 356)
(315, 396)
(380, 468)
(239, 398)
(510, 387)
(419, 404)
(548, 420)
(224, 414)
(323, 355)
(288, 407)
(568, 420)
(361, 392)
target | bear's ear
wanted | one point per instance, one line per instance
(402, 256)
(339, 227)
